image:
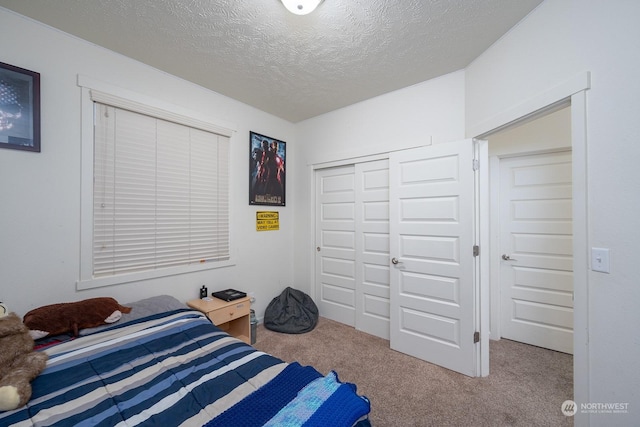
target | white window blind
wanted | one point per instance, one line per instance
(161, 193)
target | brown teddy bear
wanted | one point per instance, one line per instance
(19, 364)
(70, 317)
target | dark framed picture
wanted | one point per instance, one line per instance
(19, 108)
(267, 170)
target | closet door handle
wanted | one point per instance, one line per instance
(394, 261)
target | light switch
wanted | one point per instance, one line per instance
(600, 260)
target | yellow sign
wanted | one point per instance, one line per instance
(267, 221)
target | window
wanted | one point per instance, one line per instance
(160, 195)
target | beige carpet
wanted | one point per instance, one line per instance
(526, 386)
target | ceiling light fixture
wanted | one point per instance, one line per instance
(301, 7)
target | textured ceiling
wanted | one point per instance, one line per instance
(294, 67)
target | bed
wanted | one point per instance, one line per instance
(164, 364)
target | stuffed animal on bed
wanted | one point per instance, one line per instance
(19, 364)
(70, 317)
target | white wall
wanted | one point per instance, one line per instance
(557, 41)
(548, 133)
(422, 114)
(40, 192)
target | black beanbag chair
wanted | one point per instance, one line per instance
(292, 312)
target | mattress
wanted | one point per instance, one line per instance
(175, 368)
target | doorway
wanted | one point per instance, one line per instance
(573, 93)
(531, 233)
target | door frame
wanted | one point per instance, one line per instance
(572, 93)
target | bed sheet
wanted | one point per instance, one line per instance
(177, 369)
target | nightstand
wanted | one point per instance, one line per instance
(230, 316)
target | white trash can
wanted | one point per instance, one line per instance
(254, 326)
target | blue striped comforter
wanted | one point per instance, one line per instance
(177, 369)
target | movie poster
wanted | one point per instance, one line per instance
(267, 172)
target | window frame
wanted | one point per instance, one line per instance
(96, 91)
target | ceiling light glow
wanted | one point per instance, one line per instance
(301, 7)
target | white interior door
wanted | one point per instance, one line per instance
(336, 241)
(372, 248)
(536, 272)
(433, 283)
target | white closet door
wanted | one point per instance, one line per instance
(336, 242)
(537, 242)
(372, 247)
(433, 283)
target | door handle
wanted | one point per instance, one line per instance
(507, 258)
(395, 261)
